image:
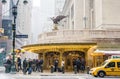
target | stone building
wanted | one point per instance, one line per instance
(89, 25)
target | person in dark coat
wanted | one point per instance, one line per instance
(83, 65)
(37, 65)
(25, 65)
(78, 63)
(56, 64)
(19, 64)
(29, 66)
(41, 65)
(8, 65)
(34, 65)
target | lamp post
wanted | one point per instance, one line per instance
(14, 12)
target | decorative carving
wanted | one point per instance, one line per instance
(58, 19)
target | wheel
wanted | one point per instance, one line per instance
(101, 74)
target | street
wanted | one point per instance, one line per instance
(52, 76)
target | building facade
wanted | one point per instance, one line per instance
(23, 26)
(59, 6)
(89, 25)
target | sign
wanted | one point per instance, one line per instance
(21, 36)
(115, 56)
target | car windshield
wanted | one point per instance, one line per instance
(104, 63)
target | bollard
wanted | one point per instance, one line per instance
(75, 69)
(52, 69)
(88, 69)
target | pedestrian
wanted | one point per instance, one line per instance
(41, 64)
(8, 65)
(83, 65)
(34, 65)
(25, 65)
(74, 63)
(56, 64)
(19, 64)
(78, 63)
(62, 65)
(37, 65)
(29, 66)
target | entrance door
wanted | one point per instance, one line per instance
(71, 56)
(49, 59)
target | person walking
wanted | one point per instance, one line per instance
(29, 66)
(25, 65)
(19, 64)
(56, 64)
(41, 64)
(62, 65)
(78, 63)
(8, 65)
(83, 65)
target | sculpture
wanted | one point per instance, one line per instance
(56, 20)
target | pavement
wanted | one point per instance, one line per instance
(47, 75)
(38, 75)
(2, 69)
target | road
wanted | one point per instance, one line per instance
(62, 76)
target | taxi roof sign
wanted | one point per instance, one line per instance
(115, 56)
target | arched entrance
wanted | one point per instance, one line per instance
(66, 51)
(50, 57)
(69, 56)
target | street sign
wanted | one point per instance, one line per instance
(21, 36)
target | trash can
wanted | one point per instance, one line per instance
(88, 69)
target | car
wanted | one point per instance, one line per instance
(110, 67)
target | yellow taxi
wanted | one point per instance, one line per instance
(110, 67)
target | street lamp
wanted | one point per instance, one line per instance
(14, 12)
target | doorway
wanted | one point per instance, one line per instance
(70, 56)
(50, 57)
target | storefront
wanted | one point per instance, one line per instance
(100, 56)
(66, 51)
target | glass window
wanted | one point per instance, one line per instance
(118, 64)
(104, 63)
(111, 64)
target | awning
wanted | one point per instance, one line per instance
(97, 54)
(108, 52)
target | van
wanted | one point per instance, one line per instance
(110, 67)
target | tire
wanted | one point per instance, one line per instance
(101, 74)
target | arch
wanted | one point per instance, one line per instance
(90, 51)
(69, 56)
